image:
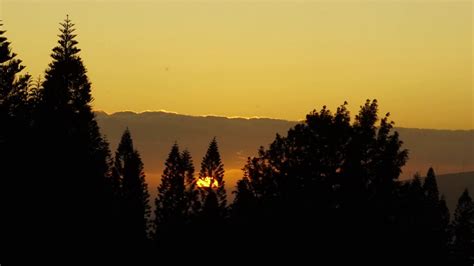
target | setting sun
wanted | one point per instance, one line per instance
(207, 182)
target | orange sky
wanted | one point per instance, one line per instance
(276, 59)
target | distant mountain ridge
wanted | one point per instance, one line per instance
(448, 151)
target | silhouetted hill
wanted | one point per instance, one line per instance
(154, 132)
(447, 151)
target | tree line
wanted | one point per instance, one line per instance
(329, 189)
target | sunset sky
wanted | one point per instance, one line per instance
(277, 59)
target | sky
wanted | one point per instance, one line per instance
(277, 59)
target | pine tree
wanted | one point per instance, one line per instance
(463, 231)
(416, 200)
(78, 161)
(412, 222)
(430, 187)
(16, 172)
(67, 120)
(171, 206)
(212, 197)
(436, 220)
(13, 85)
(66, 85)
(191, 190)
(13, 102)
(14, 117)
(129, 176)
(212, 167)
(445, 216)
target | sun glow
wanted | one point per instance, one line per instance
(207, 182)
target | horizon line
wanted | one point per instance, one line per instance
(249, 118)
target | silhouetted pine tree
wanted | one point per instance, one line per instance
(410, 221)
(431, 187)
(16, 175)
(171, 206)
(13, 85)
(129, 177)
(14, 117)
(445, 216)
(436, 219)
(211, 166)
(13, 98)
(191, 191)
(463, 231)
(77, 163)
(416, 200)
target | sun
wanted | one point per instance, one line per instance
(207, 182)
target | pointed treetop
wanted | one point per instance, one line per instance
(11, 83)
(67, 87)
(173, 160)
(67, 43)
(187, 160)
(186, 153)
(5, 51)
(211, 165)
(465, 198)
(187, 164)
(431, 172)
(126, 143)
(431, 186)
(175, 148)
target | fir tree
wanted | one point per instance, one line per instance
(129, 177)
(191, 190)
(66, 85)
(445, 217)
(436, 220)
(13, 102)
(13, 85)
(78, 160)
(16, 168)
(463, 231)
(14, 116)
(171, 206)
(431, 186)
(212, 167)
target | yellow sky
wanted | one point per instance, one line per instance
(276, 59)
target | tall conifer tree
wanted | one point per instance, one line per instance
(129, 176)
(191, 190)
(212, 167)
(77, 162)
(463, 231)
(171, 207)
(16, 174)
